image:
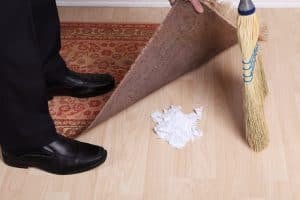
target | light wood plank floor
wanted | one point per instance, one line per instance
(217, 166)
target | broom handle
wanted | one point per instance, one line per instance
(246, 7)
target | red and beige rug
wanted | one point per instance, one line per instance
(95, 48)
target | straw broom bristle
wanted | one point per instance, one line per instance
(254, 94)
(255, 88)
(262, 76)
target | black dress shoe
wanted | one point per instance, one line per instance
(80, 85)
(63, 156)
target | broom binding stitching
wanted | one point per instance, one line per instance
(251, 66)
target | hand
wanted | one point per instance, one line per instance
(196, 3)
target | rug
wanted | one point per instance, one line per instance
(95, 48)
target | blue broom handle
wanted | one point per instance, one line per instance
(246, 7)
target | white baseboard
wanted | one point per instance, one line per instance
(107, 3)
(165, 3)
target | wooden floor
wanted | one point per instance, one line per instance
(217, 166)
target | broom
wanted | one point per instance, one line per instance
(255, 85)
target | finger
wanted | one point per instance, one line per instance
(197, 5)
(172, 2)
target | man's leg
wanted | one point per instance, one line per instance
(59, 79)
(47, 28)
(25, 119)
(28, 137)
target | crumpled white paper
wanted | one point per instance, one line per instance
(176, 127)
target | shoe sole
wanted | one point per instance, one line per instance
(78, 94)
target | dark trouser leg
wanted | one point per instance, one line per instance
(25, 120)
(47, 27)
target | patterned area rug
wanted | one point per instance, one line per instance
(95, 48)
